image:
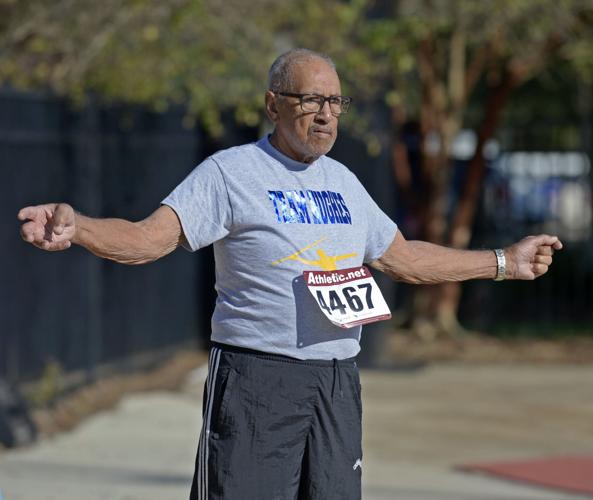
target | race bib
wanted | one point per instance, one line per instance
(348, 297)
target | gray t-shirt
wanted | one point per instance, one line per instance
(271, 218)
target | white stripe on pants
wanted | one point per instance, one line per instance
(202, 469)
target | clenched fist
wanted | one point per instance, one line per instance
(49, 227)
(532, 256)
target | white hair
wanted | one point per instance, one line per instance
(280, 76)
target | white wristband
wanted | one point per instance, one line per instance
(501, 264)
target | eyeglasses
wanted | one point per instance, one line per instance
(313, 103)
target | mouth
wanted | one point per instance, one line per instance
(322, 132)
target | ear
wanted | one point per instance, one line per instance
(271, 106)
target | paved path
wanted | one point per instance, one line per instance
(417, 426)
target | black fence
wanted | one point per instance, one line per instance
(71, 307)
(533, 192)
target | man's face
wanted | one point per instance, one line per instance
(305, 136)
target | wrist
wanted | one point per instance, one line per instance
(76, 236)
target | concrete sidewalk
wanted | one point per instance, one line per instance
(144, 448)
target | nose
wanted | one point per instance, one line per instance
(324, 114)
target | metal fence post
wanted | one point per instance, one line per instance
(88, 164)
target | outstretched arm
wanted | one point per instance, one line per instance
(419, 262)
(55, 226)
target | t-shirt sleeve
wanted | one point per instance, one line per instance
(202, 204)
(381, 230)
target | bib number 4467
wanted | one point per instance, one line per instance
(348, 297)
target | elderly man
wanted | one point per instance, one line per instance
(291, 229)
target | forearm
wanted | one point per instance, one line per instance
(118, 239)
(434, 264)
(419, 262)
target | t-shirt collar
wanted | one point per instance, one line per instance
(291, 164)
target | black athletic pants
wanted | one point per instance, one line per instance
(277, 428)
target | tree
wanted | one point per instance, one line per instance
(208, 55)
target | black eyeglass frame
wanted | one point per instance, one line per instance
(345, 101)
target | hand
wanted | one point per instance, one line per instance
(531, 257)
(50, 227)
